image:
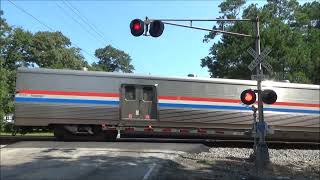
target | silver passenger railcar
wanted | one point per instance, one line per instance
(98, 104)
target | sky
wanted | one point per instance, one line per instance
(177, 52)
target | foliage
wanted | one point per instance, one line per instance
(231, 8)
(21, 48)
(112, 59)
(289, 29)
(52, 50)
(5, 104)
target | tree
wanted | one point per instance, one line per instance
(5, 105)
(23, 48)
(112, 59)
(52, 50)
(285, 27)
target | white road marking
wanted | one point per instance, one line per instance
(146, 176)
(2, 146)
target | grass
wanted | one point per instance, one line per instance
(28, 134)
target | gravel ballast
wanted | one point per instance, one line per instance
(234, 163)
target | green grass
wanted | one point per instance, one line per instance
(28, 134)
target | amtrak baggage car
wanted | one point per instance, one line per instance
(83, 103)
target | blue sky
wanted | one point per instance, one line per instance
(176, 53)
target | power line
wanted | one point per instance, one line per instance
(83, 26)
(21, 9)
(85, 20)
(42, 23)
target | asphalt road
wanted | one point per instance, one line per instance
(89, 160)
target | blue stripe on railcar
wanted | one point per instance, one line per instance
(77, 101)
(169, 105)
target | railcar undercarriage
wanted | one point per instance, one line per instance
(83, 133)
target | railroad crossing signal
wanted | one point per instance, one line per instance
(260, 59)
(138, 27)
(249, 97)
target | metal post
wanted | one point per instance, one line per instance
(262, 153)
(259, 72)
(254, 133)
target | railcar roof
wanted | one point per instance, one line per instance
(151, 77)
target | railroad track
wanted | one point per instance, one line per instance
(207, 142)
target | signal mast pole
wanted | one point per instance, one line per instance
(259, 72)
(261, 150)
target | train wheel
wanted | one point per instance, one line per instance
(98, 133)
(63, 133)
(59, 132)
(111, 135)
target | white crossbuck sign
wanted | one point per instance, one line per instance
(260, 59)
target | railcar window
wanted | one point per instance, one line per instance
(130, 93)
(148, 93)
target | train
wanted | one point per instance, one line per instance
(102, 105)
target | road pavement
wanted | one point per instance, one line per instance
(89, 160)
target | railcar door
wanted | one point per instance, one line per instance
(148, 102)
(138, 102)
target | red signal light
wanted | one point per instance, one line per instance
(137, 27)
(248, 97)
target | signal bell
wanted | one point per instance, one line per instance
(137, 27)
(248, 97)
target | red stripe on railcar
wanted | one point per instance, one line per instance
(186, 98)
(71, 93)
(296, 104)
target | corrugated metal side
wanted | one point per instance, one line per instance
(238, 118)
(48, 113)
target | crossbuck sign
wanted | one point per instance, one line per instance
(260, 59)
